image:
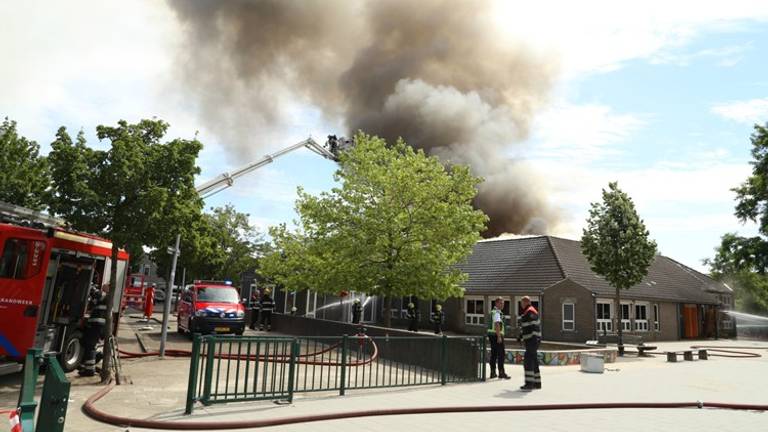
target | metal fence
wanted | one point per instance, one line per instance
(242, 368)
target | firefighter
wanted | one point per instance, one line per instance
(94, 330)
(255, 308)
(413, 316)
(149, 302)
(267, 306)
(357, 311)
(531, 335)
(437, 319)
(496, 337)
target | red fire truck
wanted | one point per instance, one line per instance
(46, 272)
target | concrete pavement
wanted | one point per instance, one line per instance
(159, 389)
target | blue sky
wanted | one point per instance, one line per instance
(660, 96)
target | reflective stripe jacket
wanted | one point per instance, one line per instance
(267, 304)
(491, 324)
(530, 323)
(98, 314)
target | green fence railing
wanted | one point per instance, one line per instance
(231, 368)
(52, 413)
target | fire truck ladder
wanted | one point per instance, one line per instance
(24, 216)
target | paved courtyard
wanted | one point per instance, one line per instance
(159, 388)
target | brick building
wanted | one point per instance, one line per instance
(672, 302)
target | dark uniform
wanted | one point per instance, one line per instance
(497, 348)
(413, 318)
(357, 312)
(255, 309)
(94, 331)
(267, 306)
(531, 335)
(437, 319)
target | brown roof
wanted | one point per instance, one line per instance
(531, 264)
(511, 266)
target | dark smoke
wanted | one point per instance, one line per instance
(435, 72)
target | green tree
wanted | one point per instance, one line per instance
(137, 193)
(23, 172)
(219, 245)
(743, 261)
(616, 243)
(396, 226)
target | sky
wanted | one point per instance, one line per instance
(659, 96)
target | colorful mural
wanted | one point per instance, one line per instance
(560, 358)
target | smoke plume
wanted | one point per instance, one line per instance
(435, 72)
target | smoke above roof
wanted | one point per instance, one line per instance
(435, 72)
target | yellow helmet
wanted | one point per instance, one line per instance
(439, 308)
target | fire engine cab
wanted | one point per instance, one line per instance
(46, 272)
(211, 307)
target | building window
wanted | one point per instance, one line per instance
(569, 317)
(656, 317)
(626, 324)
(641, 317)
(727, 324)
(604, 317)
(400, 307)
(146, 270)
(474, 310)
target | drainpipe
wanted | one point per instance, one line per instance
(594, 314)
(541, 313)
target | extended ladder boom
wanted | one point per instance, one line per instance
(227, 179)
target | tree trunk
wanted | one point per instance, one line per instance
(106, 365)
(620, 324)
(387, 312)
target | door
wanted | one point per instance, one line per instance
(690, 321)
(23, 265)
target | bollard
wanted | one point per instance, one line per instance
(688, 355)
(672, 357)
(703, 354)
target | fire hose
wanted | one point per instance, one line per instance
(101, 416)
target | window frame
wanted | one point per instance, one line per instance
(479, 317)
(604, 322)
(656, 319)
(626, 324)
(28, 264)
(572, 321)
(641, 324)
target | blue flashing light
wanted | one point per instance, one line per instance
(228, 282)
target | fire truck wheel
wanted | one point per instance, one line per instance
(73, 352)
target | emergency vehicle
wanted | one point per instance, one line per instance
(211, 307)
(46, 272)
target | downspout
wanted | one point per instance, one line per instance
(594, 314)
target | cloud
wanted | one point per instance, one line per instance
(748, 112)
(726, 56)
(582, 133)
(600, 36)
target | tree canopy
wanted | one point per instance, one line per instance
(743, 261)
(219, 245)
(136, 193)
(23, 172)
(616, 242)
(395, 226)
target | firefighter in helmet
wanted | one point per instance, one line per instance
(94, 330)
(255, 307)
(530, 325)
(438, 318)
(357, 311)
(413, 317)
(267, 306)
